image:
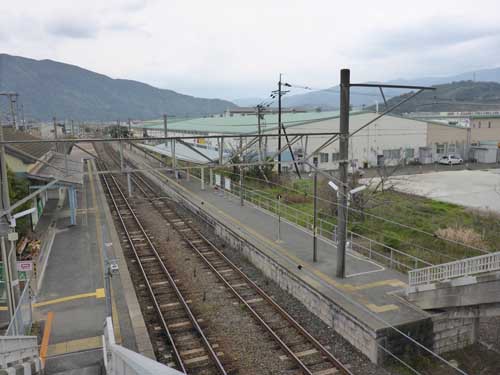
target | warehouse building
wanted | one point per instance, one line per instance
(390, 140)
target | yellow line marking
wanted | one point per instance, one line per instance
(390, 282)
(115, 318)
(345, 287)
(46, 337)
(99, 293)
(90, 167)
(72, 346)
(381, 309)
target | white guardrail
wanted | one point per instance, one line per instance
(121, 361)
(370, 248)
(17, 349)
(459, 268)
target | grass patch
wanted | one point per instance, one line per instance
(436, 221)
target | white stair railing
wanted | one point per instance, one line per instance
(121, 361)
(459, 268)
(17, 349)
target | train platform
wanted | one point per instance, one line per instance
(369, 296)
(72, 293)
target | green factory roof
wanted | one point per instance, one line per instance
(239, 124)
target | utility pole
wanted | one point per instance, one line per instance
(72, 128)
(279, 126)
(22, 117)
(13, 101)
(315, 211)
(259, 131)
(55, 132)
(344, 155)
(165, 127)
(241, 174)
(5, 182)
(129, 122)
(4, 227)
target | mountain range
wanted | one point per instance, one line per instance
(455, 96)
(48, 88)
(329, 98)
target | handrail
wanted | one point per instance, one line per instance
(408, 262)
(121, 361)
(17, 349)
(459, 268)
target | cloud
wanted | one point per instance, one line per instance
(73, 28)
(422, 37)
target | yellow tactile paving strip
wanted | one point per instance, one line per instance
(346, 287)
(72, 346)
(99, 293)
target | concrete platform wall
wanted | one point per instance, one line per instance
(452, 333)
(352, 329)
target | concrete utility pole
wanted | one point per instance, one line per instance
(279, 126)
(259, 131)
(165, 127)
(5, 182)
(344, 155)
(13, 101)
(315, 211)
(4, 227)
(55, 132)
(241, 173)
(129, 122)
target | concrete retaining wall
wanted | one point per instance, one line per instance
(352, 329)
(358, 333)
(452, 333)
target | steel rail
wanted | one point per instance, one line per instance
(317, 345)
(194, 322)
(177, 355)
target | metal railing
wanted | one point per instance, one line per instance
(459, 268)
(368, 247)
(17, 349)
(22, 320)
(121, 361)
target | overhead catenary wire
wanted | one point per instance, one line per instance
(389, 325)
(381, 218)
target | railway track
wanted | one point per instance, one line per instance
(180, 340)
(306, 353)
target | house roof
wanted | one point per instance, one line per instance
(20, 150)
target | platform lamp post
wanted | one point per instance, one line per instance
(315, 211)
(350, 194)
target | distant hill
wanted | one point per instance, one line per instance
(329, 99)
(456, 96)
(48, 88)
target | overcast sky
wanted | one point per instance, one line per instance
(236, 48)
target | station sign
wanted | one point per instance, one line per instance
(25, 265)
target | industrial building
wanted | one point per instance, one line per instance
(390, 140)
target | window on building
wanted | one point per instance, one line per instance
(489, 124)
(452, 148)
(440, 148)
(392, 154)
(335, 156)
(409, 153)
(323, 157)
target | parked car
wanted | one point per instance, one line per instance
(355, 170)
(450, 160)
